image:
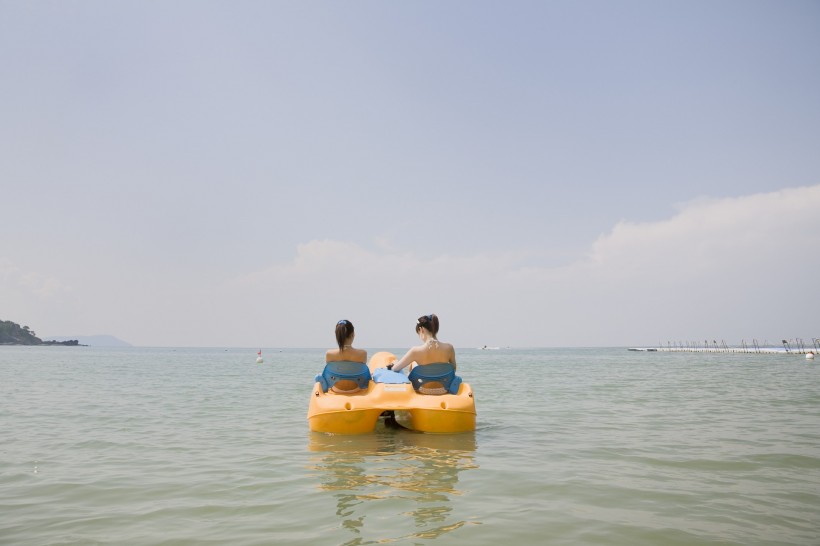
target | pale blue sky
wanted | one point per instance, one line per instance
(537, 173)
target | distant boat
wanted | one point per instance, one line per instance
(259, 357)
(485, 348)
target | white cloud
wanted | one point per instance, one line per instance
(14, 280)
(382, 289)
(716, 234)
(738, 267)
(719, 268)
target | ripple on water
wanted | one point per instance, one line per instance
(599, 446)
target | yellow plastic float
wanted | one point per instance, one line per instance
(357, 412)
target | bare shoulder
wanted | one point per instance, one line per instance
(349, 354)
(360, 355)
(451, 352)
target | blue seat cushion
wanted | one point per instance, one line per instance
(345, 376)
(438, 378)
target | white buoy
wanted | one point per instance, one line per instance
(809, 356)
(259, 357)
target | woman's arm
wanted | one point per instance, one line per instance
(405, 360)
(451, 355)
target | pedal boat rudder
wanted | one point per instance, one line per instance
(358, 412)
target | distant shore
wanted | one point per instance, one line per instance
(67, 343)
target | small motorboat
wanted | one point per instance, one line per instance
(347, 400)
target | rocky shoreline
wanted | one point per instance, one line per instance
(67, 343)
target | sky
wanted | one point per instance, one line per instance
(538, 174)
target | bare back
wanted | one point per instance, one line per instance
(348, 353)
(432, 352)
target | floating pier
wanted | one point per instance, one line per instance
(793, 347)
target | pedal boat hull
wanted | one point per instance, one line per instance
(358, 413)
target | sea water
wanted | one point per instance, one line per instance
(573, 446)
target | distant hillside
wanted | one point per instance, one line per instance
(94, 341)
(12, 333)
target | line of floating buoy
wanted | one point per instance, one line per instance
(747, 350)
(793, 347)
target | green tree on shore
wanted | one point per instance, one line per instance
(11, 332)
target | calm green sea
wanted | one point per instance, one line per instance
(573, 446)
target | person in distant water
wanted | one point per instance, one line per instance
(345, 334)
(431, 350)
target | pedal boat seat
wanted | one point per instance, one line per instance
(344, 377)
(439, 378)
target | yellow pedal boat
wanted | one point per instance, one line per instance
(358, 410)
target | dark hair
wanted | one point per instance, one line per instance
(429, 323)
(344, 329)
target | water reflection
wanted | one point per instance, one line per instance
(394, 484)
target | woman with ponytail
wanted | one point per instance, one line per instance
(345, 333)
